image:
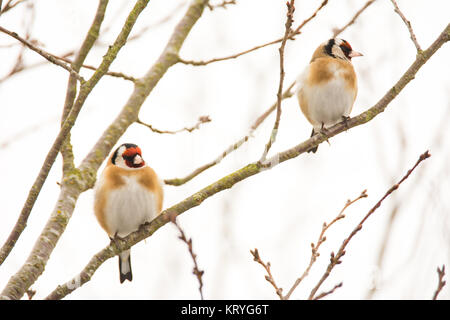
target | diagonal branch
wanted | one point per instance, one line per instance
(43, 53)
(195, 270)
(337, 32)
(315, 247)
(335, 259)
(441, 282)
(269, 278)
(249, 170)
(408, 25)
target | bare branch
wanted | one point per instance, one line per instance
(441, 282)
(315, 247)
(43, 53)
(336, 32)
(109, 73)
(326, 293)
(234, 56)
(202, 119)
(195, 270)
(287, 31)
(9, 5)
(222, 5)
(335, 258)
(408, 25)
(268, 277)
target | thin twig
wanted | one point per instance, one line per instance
(9, 5)
(222, 5)
(273, 135)
(268, 277)
(109, 73)
(43, 53)
(202, 119)
(441, 282)
(315, 247)
(336, 32)
(335, 259)
(326, 293)
(195, 270)
(314, 256)
(180, 181)
(408, 25)
(291, 36)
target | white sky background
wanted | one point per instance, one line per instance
(280, 211)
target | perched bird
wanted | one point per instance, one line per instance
(128, 194)
(326, 90)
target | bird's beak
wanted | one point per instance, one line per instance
(353, 54)
(137, 159)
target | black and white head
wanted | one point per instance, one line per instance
(128, 156)
(339, 48)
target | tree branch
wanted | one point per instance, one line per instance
(234, 56)
(268, 277)
(336, 259)
(43, 53)
(287, 31)
(202, 119)
(326, 293)
(315, 247)
(337, 32)
(441, 282)
(408, 25)
(196, 271)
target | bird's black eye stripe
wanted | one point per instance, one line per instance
(129, 158)
(114, 157)
(329, 47)
(127, 146)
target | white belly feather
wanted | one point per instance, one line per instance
(329, 101)
(128, 207)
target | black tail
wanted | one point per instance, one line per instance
(125, 266)
(313, 150)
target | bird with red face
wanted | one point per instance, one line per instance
(128, 194)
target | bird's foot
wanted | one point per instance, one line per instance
(324, 131)
(345, 121)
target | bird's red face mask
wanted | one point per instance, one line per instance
(133, 157)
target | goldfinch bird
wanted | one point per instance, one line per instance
(326, 90)
(128, 193)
